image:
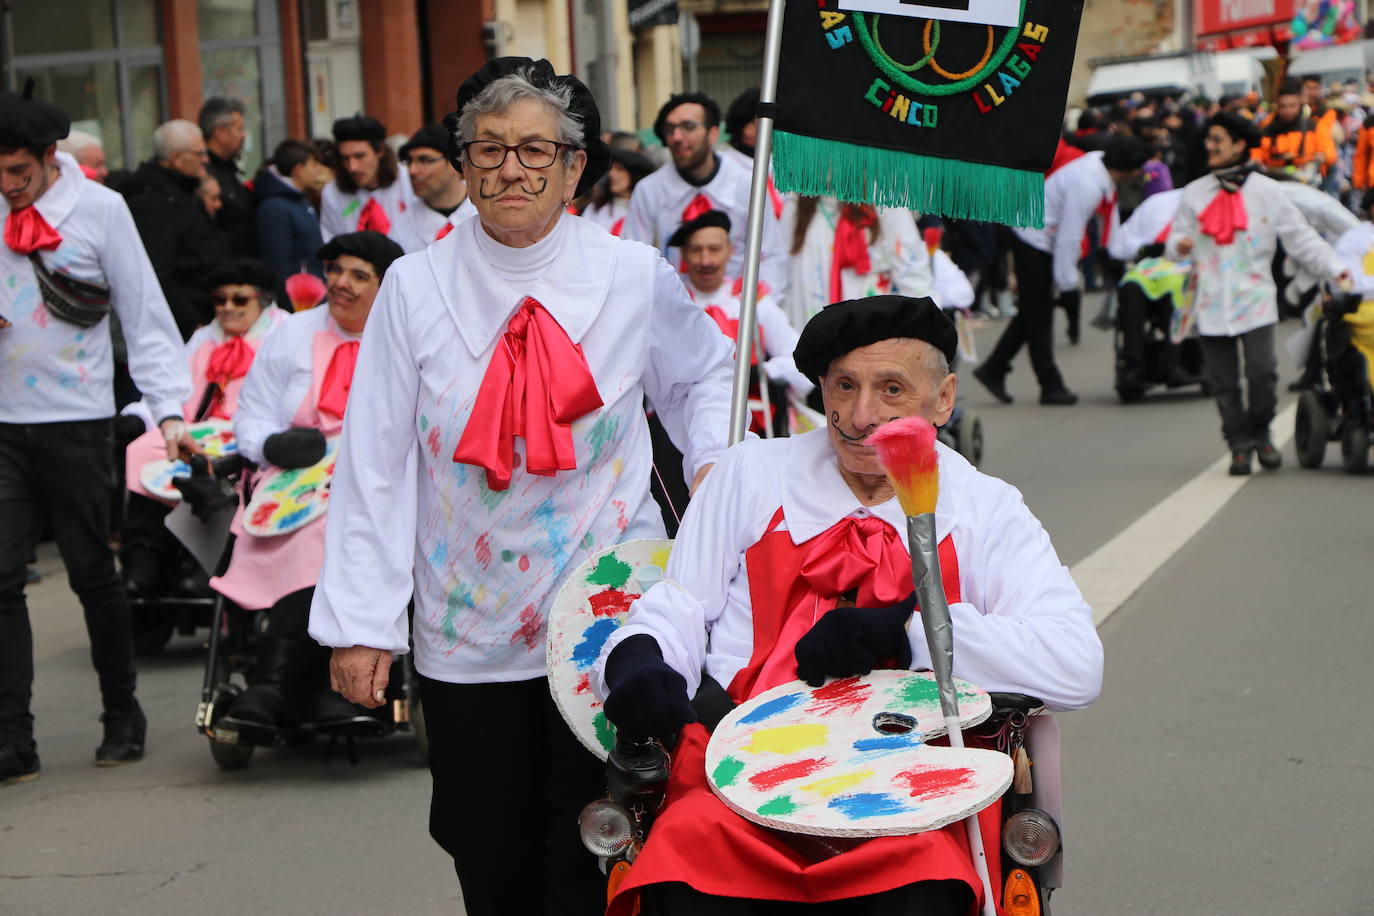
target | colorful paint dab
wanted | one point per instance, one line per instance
(285, 500)
(610, 571)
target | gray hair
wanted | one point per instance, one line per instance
(77, 142)
(217, 111)
(501, 93)
(173, 137)
(934, 363)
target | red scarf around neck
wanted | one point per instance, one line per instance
(850, 248)
(26, 231)
(338, 379)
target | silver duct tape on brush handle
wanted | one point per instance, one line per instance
(930, 595)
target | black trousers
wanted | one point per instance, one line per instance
(64, 468)
(1033, 324)
(925, 898)
(509, 782)
(1140, 319)
(1244, 420)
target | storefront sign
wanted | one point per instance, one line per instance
(1228, 15)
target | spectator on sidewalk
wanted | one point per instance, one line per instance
(221, 123)
(288, 226)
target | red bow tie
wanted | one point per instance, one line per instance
(1223, 216)
(373, 217)
(699, 205)
(519, 397)
(851, 247)
(26, 231)
(338, 379)
(863, 554)
(228, 361)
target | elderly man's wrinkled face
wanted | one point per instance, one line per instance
(521, 194)
(887, 380)
(706, 255)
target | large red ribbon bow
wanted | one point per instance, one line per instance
(228, 361)
(730, 328)
(855, 553)
(699, 205)
(536, 385)
(1223, 216)
(26, 231)
(1104, 210)
(338, 379)
(851, 246)
(373, 217)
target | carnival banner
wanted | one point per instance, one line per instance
(911, 109)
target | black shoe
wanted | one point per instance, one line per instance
(996, 384)
(1270, 458)
(17, 765)
(1240, 463)
(261, 705)
(331, 712)
(1062, 397)
(1179, 377)
(124, 734)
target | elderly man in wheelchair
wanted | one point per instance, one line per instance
(790, 564)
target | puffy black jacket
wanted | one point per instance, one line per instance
(182, 240)
(235, 216)
(288, 230)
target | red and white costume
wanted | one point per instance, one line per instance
(779, 337)
(421, 226)
(611, 217)
(381, 210)
(770, 541)
(301, 377)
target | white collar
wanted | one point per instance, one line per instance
(572, 287)
(815, 497)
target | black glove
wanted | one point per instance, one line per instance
(203, 493)
(647, 698)
(851, 640)
(127, 428)
(297, 447)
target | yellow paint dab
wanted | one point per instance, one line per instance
(834, 785)
(659, 557)
(481, 596)
(617, 466)
(787, 739)
(1369, 262)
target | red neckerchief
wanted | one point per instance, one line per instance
(699, 205)
(1223, 216)
(373, 217)
(536, 385)
(26, 231)
(338, 379)
(444, 230)
(851, 245)
(228, 361)
(859, 551)
(730, 328)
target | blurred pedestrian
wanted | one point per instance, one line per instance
(1293, 142)
(88, 153)
(222, 125)
(610, 199)
(370, 190)
(441, 195)
(210, 196)
(288, 228)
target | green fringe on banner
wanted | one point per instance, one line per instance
(889, 178)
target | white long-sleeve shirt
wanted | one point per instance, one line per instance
(339, 211)
(1235, 283)
(1021, 624)
(656, 212)
(1072, 196)
(279, 380)
(53, 370)
(951, 287)
(1356, 251)
(484, 565)
(779, 336)
(1148, 220)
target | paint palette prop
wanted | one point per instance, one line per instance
(216, 437)
(587, 610)
(287, 499)
(849, 759)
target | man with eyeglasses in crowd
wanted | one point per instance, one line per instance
(440, 191)
(370, 191)
(696, 181)
(222, 125)
(180, 236)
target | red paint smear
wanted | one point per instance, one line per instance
(531, 628)
(778, 775)
(584, 684)
(610, 603)
(483, 550)
(839, 695)
(934, 783)
(524, 563)
(433, 441)
(264, 512)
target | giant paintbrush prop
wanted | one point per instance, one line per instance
(906, 450)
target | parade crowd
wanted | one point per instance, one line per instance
(500, 334)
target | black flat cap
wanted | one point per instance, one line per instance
(249, 271)
(541, 74)
(373, 247)
(845, 326)
(717, 218)
(431, 136)
(359, 127)
(27, 122)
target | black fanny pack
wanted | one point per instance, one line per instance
(74, 301)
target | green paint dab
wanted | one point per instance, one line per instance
(727, 771)
(507, 556)
(605, 735)
(917, 691)
(777, 807)
(610, 571)
(588, 540)
(424, 422)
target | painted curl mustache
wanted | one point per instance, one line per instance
(835, 422)
(482, 189)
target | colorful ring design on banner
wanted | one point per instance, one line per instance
(907, 68)
(934, 65)
(895, 70)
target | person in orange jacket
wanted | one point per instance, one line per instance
(1292, 142)
(1363, 169)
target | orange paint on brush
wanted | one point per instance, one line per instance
(906, 450)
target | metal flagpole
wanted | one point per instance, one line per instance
(758, 199)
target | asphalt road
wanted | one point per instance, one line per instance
(1226, 768)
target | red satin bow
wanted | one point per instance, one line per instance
(738, 288)
(699, 205)
(338, 379)
(444, 230)
(373, 217)
(535, 386)
(865, 554)
(618, 227)
(228, 361)
(1223, 216)
(1104, 210)
(730, 327)
(851, 246)
(26, 231)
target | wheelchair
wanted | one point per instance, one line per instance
(1145, 355)
(1335, 404)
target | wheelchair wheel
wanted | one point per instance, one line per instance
(1312, 429)
(152, 636)
(231, 756)
(971, 437)
(1355, 448)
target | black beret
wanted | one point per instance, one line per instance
(707, 104)
(583, 108)
(373, 247)
(637, 165)
(716, 218)
(1237, 127)
(741, 111)
(1125, 154)
(249, 271)
(844, 326)
(431, 136)
(359, 127)
(26, 122)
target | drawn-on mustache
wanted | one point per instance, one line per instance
(532, 192)
(835, 422)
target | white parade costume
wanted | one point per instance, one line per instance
(1149, 223)
(484, 564)
(1356, 251)
(611, 217)
(951, 287)
(340, 211)
(899, 261)
(420, 225)
(1073, 193)
(779, 337)
(52, 370)
(664, 200)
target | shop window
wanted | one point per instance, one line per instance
(51, 28)
(221, 20)
(234, 73)
(88, 93)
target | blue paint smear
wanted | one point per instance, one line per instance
(593, 638)
(868, 804)
(293, 517)
(772, 708)
(887, 744)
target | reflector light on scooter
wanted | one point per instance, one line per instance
(1030, 837)
(607, 829)
(1020, 897)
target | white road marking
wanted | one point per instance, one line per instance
(1112, 573)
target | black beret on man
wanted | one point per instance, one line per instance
(711, 218)
(846, 326)
(246, 271)
(372, 247)
(30, 123)
(359, 127)
(431, 136)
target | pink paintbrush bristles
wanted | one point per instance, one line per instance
(305, 290)
(906, 450)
